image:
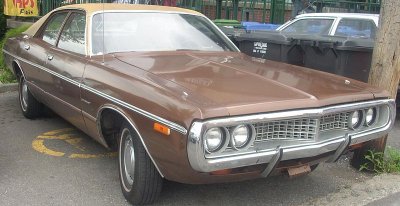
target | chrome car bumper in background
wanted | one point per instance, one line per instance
(276, 150)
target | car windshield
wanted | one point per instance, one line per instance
(310, 26)
(135, 31)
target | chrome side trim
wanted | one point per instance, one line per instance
(149, 115)
(89, 116)
(44, 69)
(133, 126)
(56, 98)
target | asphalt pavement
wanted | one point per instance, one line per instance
(48, 162)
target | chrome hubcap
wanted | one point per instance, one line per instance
(129, 159)
(24, 95)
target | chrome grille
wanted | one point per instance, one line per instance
(296, 129)
(334, 121)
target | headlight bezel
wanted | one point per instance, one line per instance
(375, 116)
(250, 137)
(360, 122)
(222, 146)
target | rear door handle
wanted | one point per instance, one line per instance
(50, 57)
(27, 47)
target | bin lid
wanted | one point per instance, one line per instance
(231, 31)
(227, 22)
(264, 36)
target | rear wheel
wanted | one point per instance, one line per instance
(140, 181)
(30, 107)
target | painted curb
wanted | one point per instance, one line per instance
(8, 87)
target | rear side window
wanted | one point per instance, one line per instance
(53, 28)
(310, 26)
(356, 28)
(72, 37)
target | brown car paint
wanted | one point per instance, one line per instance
(178, 86)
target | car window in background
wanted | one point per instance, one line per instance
(53, 28)
(128, 31)
(356, 28)
(72, 37)
(310, 26)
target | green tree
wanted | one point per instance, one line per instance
(3, 21)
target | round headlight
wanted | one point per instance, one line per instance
(355, 119)
(213, 139)
(370, 116)
(240, 136)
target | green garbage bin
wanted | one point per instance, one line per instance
(227, 22)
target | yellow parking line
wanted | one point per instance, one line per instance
(87, 156)
(38, 145)
(57, 137)
(54, 132)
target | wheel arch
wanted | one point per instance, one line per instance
(17, 68)
(106, 127)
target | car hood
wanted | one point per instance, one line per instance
(241, 84)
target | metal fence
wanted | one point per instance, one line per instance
(274, 11)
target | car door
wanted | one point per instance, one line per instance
(33, 52)
(66, 61)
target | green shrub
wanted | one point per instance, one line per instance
(378, 163)
(6, 75)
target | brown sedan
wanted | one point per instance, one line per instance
(177, 99)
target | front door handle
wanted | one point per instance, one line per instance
(27, 47)
(50, 57)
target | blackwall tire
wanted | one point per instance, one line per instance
(140, 181)
(30, 107)
(377, 145)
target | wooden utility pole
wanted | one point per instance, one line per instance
(385, 66)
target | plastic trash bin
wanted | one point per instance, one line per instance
(270, 45)
(345, 56)
(256, 26)
(232, 33)
(227, 22)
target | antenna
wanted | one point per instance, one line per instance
(103, 33)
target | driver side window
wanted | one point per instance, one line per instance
(72, 37)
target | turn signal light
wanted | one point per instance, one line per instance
(162, 129)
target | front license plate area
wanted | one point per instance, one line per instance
(298, 171)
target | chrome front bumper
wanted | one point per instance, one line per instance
(273, 156)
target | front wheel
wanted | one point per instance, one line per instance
(376, 145)
(140, 181)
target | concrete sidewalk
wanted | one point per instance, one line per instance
(392, 200)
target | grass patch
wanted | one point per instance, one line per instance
(6, 75)
(378, 162)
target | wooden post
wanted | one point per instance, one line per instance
(385, 66)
